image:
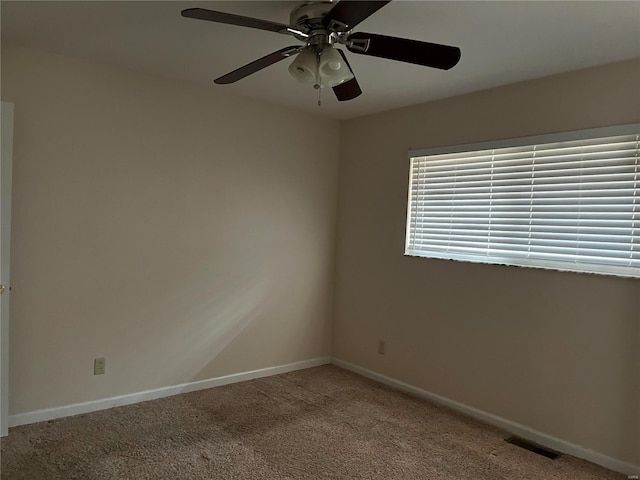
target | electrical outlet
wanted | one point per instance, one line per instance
(99, 365)
(381, 347)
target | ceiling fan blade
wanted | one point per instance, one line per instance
(349, 89)
(257, 65)
(404, 50)
(231, 19)
(351, 13)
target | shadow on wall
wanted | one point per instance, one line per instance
(190, 325)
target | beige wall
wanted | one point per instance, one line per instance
(179, 232)
(557, 352)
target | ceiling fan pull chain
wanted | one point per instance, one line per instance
(318, 85)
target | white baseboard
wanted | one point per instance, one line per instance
(102, 404)
(512, 427)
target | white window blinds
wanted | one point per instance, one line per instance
(570, 204)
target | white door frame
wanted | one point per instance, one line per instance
(6, 161)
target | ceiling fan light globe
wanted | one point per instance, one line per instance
(333, 70)
(303, 67)
(302, 74)
(330, 62)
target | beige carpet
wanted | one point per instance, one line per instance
(323, 423)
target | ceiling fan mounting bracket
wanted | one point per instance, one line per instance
(339, 27)
(359, 44)
(309, 14)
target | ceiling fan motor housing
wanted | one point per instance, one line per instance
(308, 18)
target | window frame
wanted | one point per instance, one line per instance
(609, 131)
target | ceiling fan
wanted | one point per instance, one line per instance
(322, 26)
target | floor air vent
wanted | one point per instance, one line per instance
(532, 447)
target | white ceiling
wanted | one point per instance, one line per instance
(501, 42)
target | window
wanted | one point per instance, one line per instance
(568, 201)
